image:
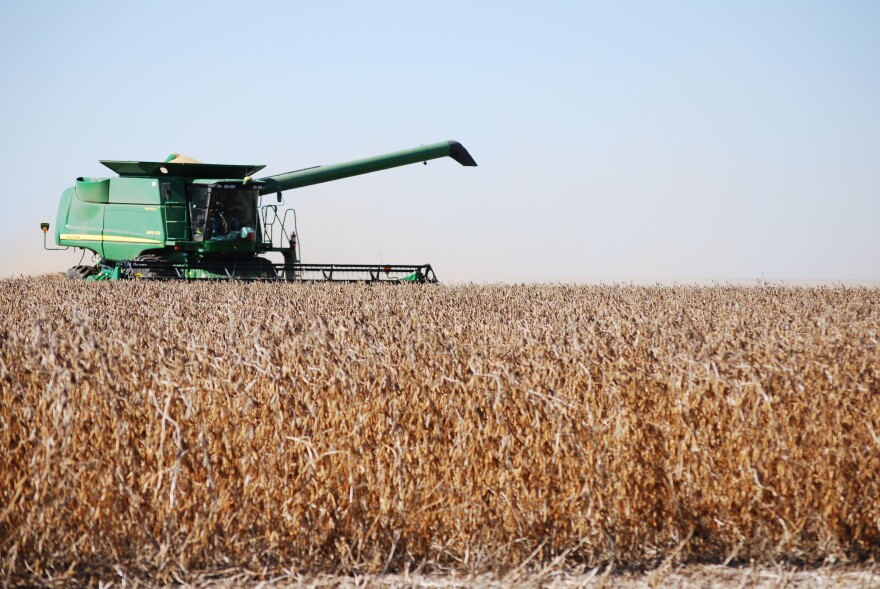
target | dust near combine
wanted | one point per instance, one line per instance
(155, 432)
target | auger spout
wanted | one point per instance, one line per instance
(319, 174)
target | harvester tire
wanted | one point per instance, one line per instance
(153, 272)
(82, 272)
(263, 268)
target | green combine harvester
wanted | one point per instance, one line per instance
(184, 219)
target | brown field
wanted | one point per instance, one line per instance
(163, 431)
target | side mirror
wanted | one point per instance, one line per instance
(44, 227)
(278, 195)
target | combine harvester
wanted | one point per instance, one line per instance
(185, 219)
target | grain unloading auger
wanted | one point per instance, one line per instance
(181, 218)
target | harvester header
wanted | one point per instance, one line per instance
(181, 218)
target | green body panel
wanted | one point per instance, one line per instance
(175, 223)
(96, 190)
(131, 229)
(172, 208)
(113, 231)
(142, 191)
(79, 223)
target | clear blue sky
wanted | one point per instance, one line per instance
(681, 140)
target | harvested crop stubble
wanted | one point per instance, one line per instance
(173, 427)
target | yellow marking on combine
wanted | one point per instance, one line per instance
(76, 237)
(113, 238)
(123, 239)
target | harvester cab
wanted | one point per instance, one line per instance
(223, 211)
(181, 218)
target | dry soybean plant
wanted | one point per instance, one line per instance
(164, 428)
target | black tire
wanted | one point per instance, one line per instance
(260, 268)
(82, 272)
(154, 271)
